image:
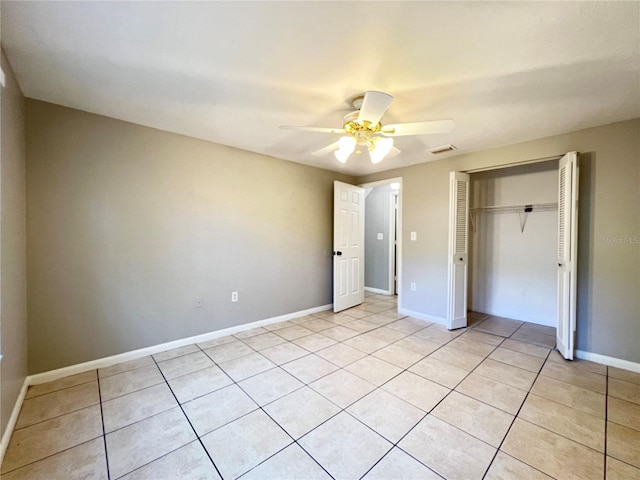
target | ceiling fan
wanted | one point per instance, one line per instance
(362, 128)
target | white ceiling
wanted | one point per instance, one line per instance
(232, 72)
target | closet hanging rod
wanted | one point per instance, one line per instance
(530, 207)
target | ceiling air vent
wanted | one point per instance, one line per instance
(441, 149)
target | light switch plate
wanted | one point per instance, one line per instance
(414, 236)
(380, 236)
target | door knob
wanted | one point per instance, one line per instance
(337, 253)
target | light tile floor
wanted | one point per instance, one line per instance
(365, 393)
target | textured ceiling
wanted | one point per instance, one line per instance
(232, 72)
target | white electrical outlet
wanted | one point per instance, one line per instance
(199, 302)
(380, 236)
(234, 296)
(413, 287)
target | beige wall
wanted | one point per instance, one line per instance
(127, 225)
(13, 282)
(608, 265)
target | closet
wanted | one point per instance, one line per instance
(513, 215)
(510, 228)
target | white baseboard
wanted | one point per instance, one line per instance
(143, 352)
(611, 361)
(11, 424)
(422, 316)
(377, 290)
(124, 357)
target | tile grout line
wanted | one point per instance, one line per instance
(327, 399)
(521, 405)
(383, 456)
(50, 455)
(370, 354)
(104, 433)
(567, 406)
(188, 420)
(366, 354)
(473, 370)
(407, 370)
(344, 410)
(304, 384)
(58, 390)
(261, 407)
(442, 399)
(515, 417)
(396, 444)
(294, 441)
(59, 416)
(556, 433)
(606, 421)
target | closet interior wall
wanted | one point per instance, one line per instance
(512, 265)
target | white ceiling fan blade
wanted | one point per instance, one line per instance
(313, 129)
(373, 107)
(418, 128)
(328, 149)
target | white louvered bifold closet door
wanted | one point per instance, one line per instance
(458, 249)
(567, 253)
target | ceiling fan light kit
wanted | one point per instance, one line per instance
(346, 146)
(362, 128)
(362, 135)
(381, 149)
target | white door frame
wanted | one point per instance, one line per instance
(399, 234)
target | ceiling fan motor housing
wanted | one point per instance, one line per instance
(364, 133)
(357, 102)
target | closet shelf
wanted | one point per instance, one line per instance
(531, 207)
(522, 210)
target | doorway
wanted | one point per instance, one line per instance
(349, 264)
(380, 241)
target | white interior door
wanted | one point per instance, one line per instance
(458, 249)
(348, 246)
(567, 253)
